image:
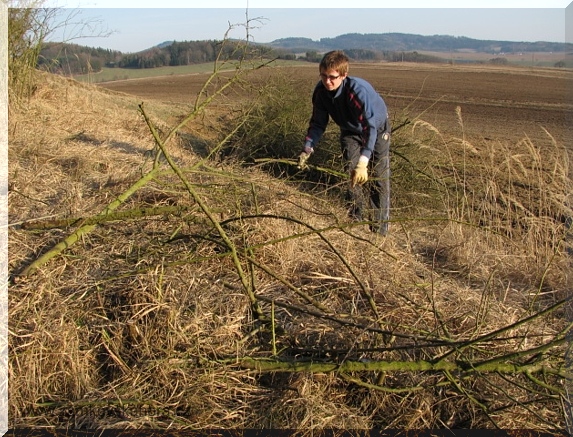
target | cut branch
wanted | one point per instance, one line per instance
(85, 229)
(454, 367)
(95, 220)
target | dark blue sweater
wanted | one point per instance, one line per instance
(355, 106)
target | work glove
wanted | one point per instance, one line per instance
(303, 157)
(359, 175)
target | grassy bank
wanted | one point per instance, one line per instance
(210, 289)
(112, 74)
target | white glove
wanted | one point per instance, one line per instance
(303, 157)
(359, 175)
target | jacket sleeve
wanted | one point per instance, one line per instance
(367, 105)
(318, 120)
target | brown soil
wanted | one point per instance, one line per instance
(501, 103)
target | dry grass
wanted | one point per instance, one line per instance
(142, 323)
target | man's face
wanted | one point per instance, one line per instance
(331, 79)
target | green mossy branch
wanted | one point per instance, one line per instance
(310, 166)
(454, 367)
(85, 229)
(135, 213)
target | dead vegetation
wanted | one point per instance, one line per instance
(217, 295)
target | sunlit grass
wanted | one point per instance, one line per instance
(111, 74)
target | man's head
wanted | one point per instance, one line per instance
(335, 60)
(333, 69)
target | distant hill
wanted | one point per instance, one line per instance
(409, 42)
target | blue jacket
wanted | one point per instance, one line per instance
(355, 106)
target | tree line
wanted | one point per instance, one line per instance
(73, 59)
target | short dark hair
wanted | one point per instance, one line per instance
(334, 60)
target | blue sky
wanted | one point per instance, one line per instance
(136, 25)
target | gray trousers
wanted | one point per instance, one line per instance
(371, 201)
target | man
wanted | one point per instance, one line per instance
(362, 116)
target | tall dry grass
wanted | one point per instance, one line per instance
(510, 203)
(145, 323)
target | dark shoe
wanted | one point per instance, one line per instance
(381, 228)
(355, 214)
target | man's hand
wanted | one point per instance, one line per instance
(303, 157)
(359, 175)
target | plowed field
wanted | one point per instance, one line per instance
(497, 103)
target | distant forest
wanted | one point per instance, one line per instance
(73, 59)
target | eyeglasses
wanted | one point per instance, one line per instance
(331, 78)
